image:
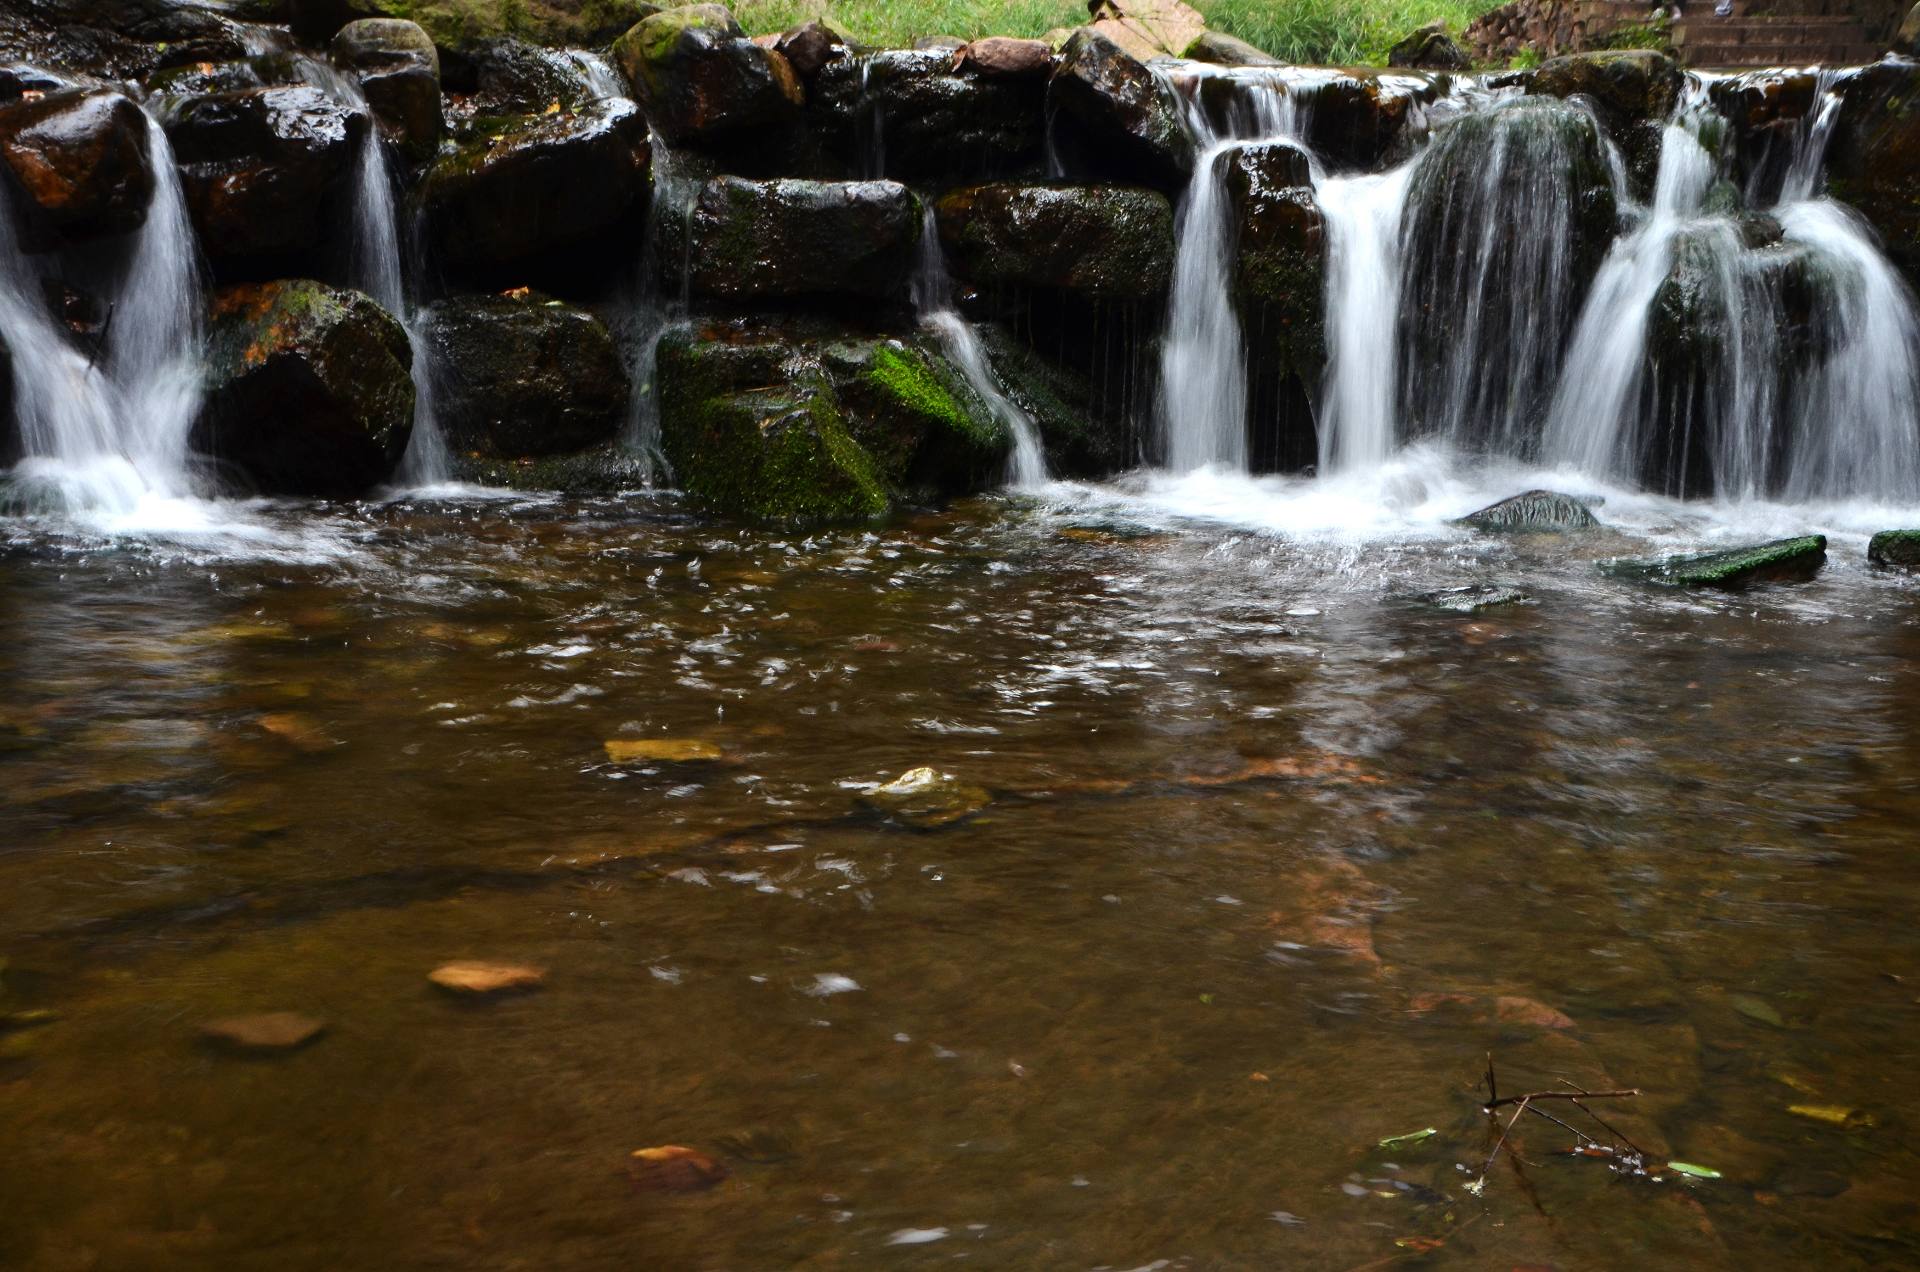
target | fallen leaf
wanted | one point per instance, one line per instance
(1698, 1172)
(673, 1168)
(1756, 1009)
(469, 976)
(1833, 1115)
(1411, 1137)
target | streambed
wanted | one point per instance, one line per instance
(1281, 840)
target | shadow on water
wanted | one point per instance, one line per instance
(1278, 833)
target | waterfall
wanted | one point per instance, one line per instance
(1360, 391)
(933, 298)
(1687, 370)
(1509, 211)
(650, 307)
(108, 433)
(378, 264)
(1201, 413)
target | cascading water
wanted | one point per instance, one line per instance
(933, 298)
(107, 434)
(1202, 408)
(1743, 354)
(650, 307)
(377, 264)
(1361, 388)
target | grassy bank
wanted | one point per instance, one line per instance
(1329, 31)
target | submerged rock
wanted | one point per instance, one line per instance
(265, 1034)
(701, 80)
(476, 978)
(1106, 242)
(1899, 549)
(1781, 561)
(523, 375)
(309, 390)
(398, 69)
(540, 185)
(789, 237)
(926, 798)
(80, 160)
(262, 169)
(1473, 598)
(1535, 512)
(1127, 124)
(663, 751)
(673, 1168)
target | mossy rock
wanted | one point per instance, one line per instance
(1105, 242)
(1115, 116)
(309, 390)
(1079, 440)
(788, 238)
(1873, 162)
(811, 425)
(556, 23)
(701, 80)
(602, 470)
(1898, 549)
(1781, 561)
(929, 119)
(1280, 266)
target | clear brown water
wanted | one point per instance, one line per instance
(1256, 810)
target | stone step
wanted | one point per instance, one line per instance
(1797, 53)
(1736, 31)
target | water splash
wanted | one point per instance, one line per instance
(106, 435)
(1201, 414)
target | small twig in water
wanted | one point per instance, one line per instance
(1491, 1105)
(1479, 1185)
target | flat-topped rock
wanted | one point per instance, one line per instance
(478, 978)
(265, 1034)
(1899, 549)
(1781, 561)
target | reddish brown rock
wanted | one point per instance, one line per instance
(80, 159)
(472, 977)
(998, 55)
(671, 1168)
(275, 1031)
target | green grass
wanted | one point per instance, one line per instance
(1335, 32)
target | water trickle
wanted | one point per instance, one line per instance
(1202, 410)
(107, 433)
(1361, 387)
(933, 299)
(653, 304)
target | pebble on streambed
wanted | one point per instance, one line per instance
(672, 1168)
(470, 978)
(270, 1033)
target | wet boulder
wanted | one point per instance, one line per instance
(701, 80)
(1358, 119)
(1897, 549)
(521, 375)
(1633, 90)
(817, 427)
(1535, 512)
(1280, 265)
(538, 187)
(1224, 50)
(1429, 48)
(1082, 433)
(508, 76)
(922, 115)
(1103, 241)
(1116, 118)
(308, 390)
(78, 165)
(788, 237)
(452, 23)
(1781, 561)
(398, 69)
(809, 47)
(1873, 162)
(1766, 113)
(264, 170)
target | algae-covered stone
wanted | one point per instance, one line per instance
(926, 798)
(80, 160)
(1281, 258)
(1535, 512)
(1106, 242)
(702, 80)
(816, 427)
(1081, 435)
(522, 375)
(1781, 561)
(789, 237)
(1430, 48)
(1127, 122)
(540, 185)
(751, 434)
(1899, 549)
(309, 389)
(1634, 91)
